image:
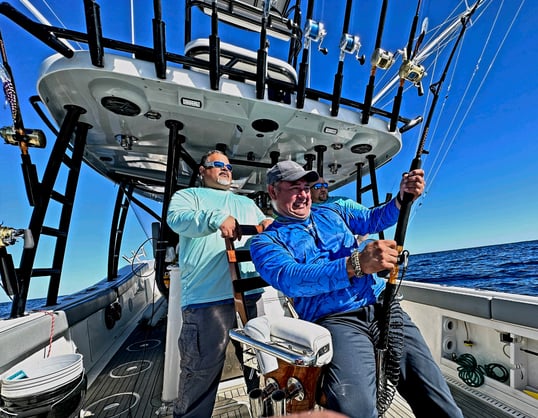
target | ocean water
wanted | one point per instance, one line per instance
(511, 268)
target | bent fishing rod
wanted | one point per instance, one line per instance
(405, 210)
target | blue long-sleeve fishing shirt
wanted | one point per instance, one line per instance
(305, 259)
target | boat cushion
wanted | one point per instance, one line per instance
(298, 333)
(238, 58)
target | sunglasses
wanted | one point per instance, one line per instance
(218, 164)
(318, 186)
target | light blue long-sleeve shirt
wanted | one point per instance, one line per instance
(305, 259)
(196, 215)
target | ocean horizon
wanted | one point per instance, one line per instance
(510, 267)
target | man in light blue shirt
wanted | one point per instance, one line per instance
(203, 217)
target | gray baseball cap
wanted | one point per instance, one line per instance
(289, 171)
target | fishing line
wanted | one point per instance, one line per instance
(51, 10)
(473, 99)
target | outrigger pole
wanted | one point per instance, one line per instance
(401, 226)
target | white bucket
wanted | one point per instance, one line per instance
(41, 376)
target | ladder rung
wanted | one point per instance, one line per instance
(68, 161)
(53, 232)
(60, 198)
(45, 272)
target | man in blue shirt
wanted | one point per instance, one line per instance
(203, 217)
(319, 193)
(309, 253)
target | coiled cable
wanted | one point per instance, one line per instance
(472, 373)
(386, 393)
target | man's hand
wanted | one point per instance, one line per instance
(230, 228)
(412, 182)
(376, 256)
(265, 223)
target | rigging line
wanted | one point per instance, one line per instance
(457, 112)
(447, 32)
(468, 108)
(437, 50)
(62, 24)
(31, 8)
(135, 205)
(441, 112)
(433, 46)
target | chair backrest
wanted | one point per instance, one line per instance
(242, 285)
(287, 349)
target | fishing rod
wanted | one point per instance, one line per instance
(9, 90)
(349, 44)
(403, 218)
(261, 62)
(409, 70)
(314, 32)
(17, 134)
(380, 59)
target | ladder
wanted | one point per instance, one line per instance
(41, 195)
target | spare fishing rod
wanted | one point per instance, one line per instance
(17, 134)
(261, 62)
(409, 70)
(349, 44)
(314, 31)
(380, 59)
(401, 228)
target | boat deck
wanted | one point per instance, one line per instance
(131, 384)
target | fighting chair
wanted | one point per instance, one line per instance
(288, 352)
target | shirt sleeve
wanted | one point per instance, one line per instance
(187, 217)
(362, 220)
(276, 265)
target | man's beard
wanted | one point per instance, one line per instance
(223, 181)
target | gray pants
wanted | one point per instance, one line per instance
(350, 379)
(202, 344)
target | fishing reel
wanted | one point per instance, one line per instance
(8, 236)
(8, 275)
(351, 44)
(33, 137)
(382, 59)
(412, 72)
(315, 32)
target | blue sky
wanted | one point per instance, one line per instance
(485, 192)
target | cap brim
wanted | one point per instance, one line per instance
(308, 176)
